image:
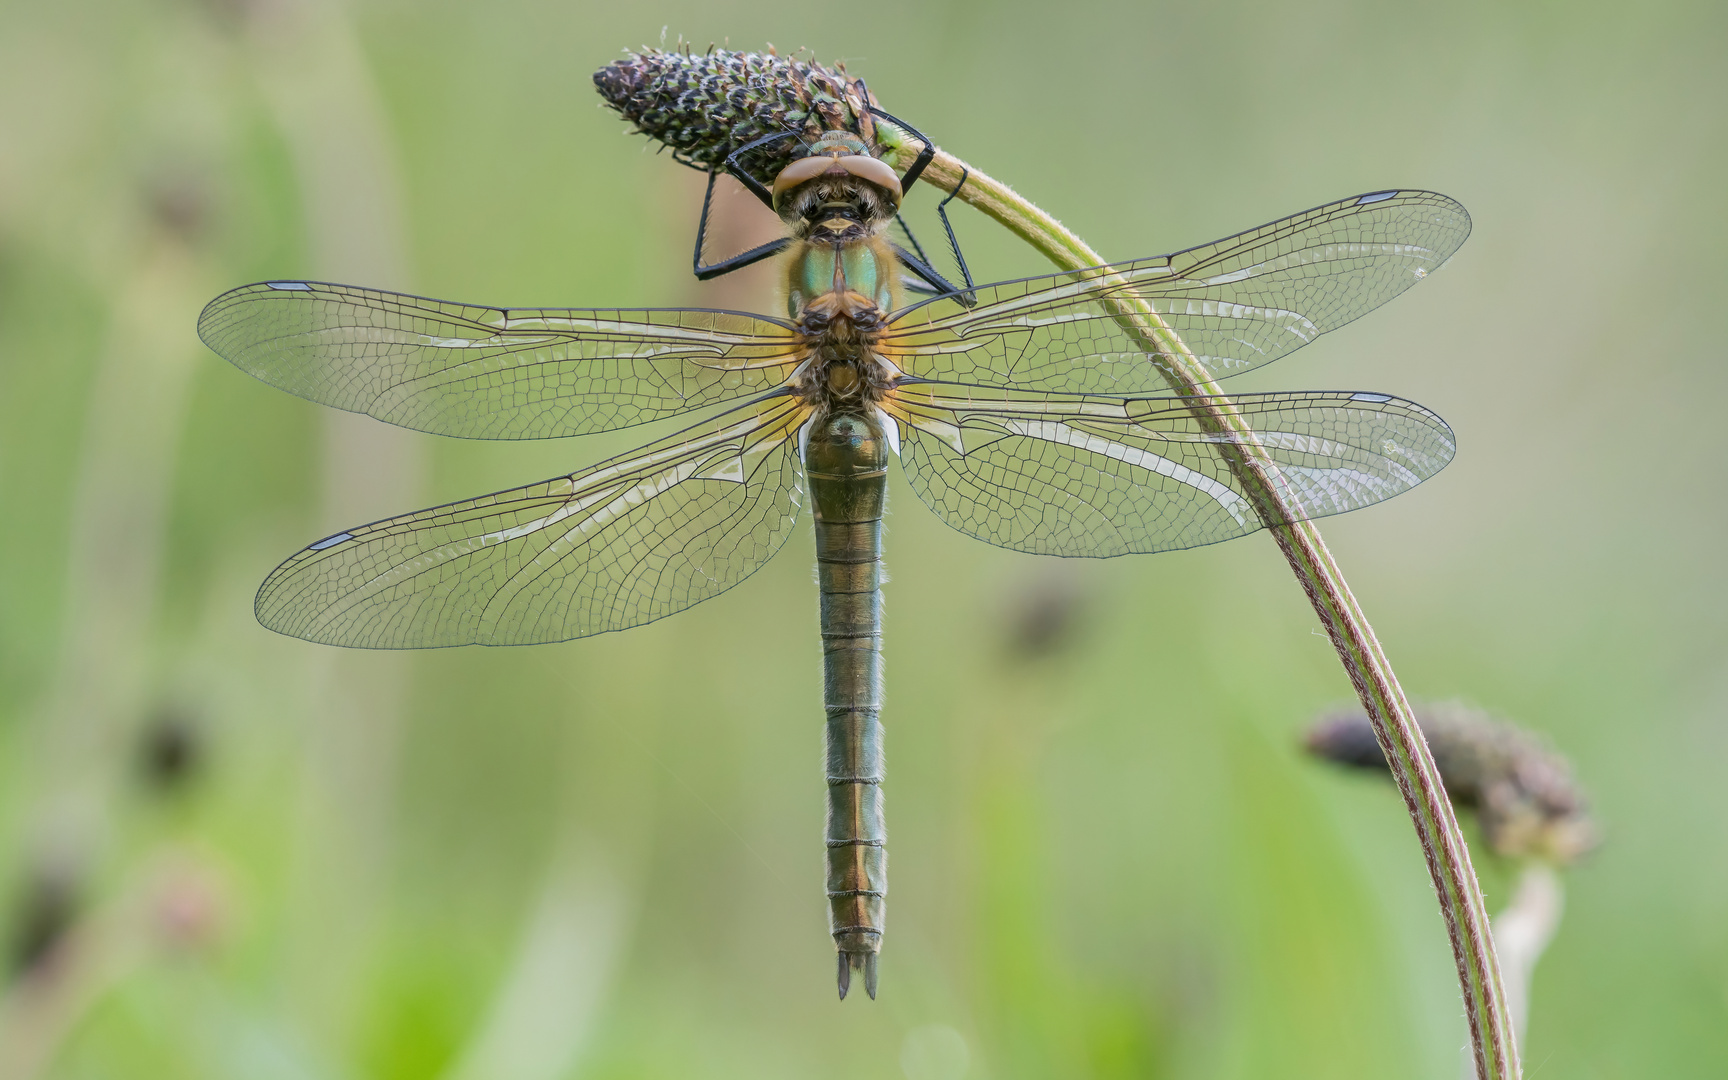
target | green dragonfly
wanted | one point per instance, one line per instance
(1022, 412)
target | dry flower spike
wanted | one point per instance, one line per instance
(705, 105)
(1523, 792)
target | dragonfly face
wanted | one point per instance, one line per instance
(839, 190)
(1023, 413)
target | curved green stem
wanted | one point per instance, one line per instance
(1461, 904)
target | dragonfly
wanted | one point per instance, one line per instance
(1024, 413)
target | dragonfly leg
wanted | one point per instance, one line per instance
(925, 156)
(926, 273)
(920, 264)
(736, 167)
(911, 239)
(915, 284)
(736, 262)
(953, 242)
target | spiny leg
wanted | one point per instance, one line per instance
(932, 282)
(736, 167)
(920, 263)
(909, 237)
(953, 242)
(736, 262)
(900, 220)
(926, 273)
(913, 282)
(925, 156)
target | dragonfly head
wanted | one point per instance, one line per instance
(840, 181)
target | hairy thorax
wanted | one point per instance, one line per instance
(844, 368)
(839, 296)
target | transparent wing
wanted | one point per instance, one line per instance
(624, 543)
(1095, 476)
(1238, 303)
(492, 373)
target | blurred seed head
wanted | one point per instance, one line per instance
(179, 199)
(46, 909)
(1044, 614)
(170, 750)
(234, 16)
(189, 904)
(1521, 789)
(706, 105)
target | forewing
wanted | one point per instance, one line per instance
(1236, 304)
(492, 373)
(1096, 477)
(631, 540)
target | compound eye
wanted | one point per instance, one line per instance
(799, 171)
(874, 170)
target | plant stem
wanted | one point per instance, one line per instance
(1522, 931)
(1461, 904)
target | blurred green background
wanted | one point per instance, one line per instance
(601, 859)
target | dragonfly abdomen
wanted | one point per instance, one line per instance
(846, 462)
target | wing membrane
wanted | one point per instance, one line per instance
(1097, 476)
(631, 540)
(1237, 303)
(492, 373)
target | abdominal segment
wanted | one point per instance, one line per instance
(846, 462)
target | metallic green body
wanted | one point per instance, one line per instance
(859, 266)
(846, 461)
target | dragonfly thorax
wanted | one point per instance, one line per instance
(841, 326)
(843, 367)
